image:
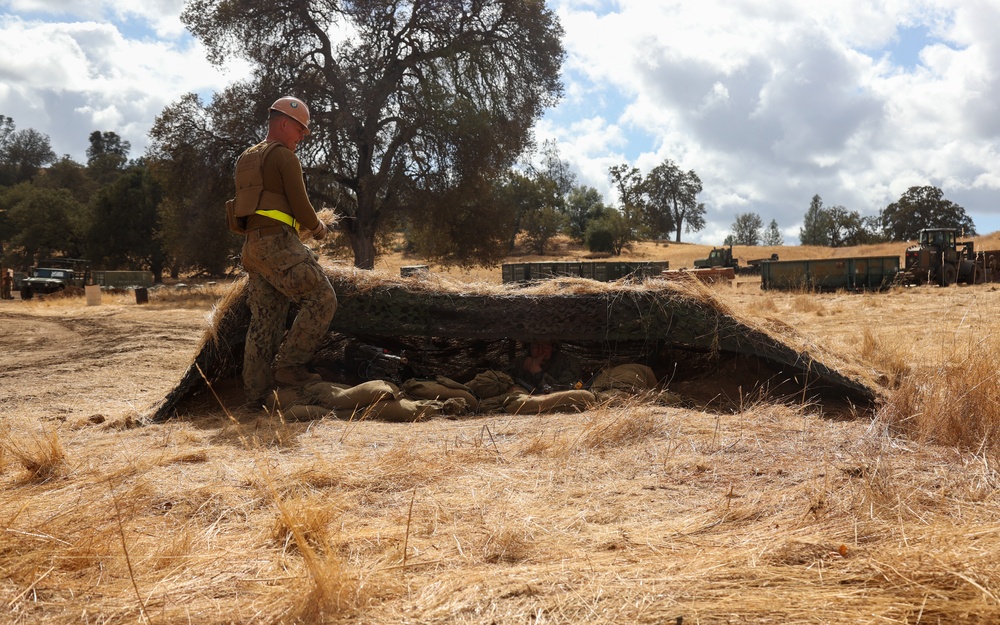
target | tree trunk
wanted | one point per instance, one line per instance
(364, 250)
(363, 233)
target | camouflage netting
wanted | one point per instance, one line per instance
(456, 330)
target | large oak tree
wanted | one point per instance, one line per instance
(672, 202)
(923, 207)
(414, 102)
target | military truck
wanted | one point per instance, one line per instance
(55, 274)
(723, 257)
(718, 257)
(939, 258)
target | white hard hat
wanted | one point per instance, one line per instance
(294, 108)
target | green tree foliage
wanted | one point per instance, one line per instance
(410, 98)
(557, 170)
(106, 156)
(772, 235)
(872, 231)
(747, 229)
(583, 205)
(123, 233)
(22, 153)
(194, 166)
(846, 228)
(837, 226)
(67, 174)
(610, 233)
(524, 193)
(541, 225)
(442, 234)
(7, 128)
(38, 224)
(628, 182)
(919, 208)
(672, 201)
(815, 226)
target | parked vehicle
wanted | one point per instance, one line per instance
(55, 274)
(723, 257)
(939, 258)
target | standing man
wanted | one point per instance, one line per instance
(6, 285)
(271, 190)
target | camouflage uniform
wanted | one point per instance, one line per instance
(282, 271)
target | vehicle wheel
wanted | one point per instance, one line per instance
(948, 275)
(25, 293)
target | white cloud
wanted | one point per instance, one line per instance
(773, 102)
(161, 16)
(88, 76)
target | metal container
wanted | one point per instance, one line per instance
(413, 270)
(830, 274)
(602, 271)
(122, 279)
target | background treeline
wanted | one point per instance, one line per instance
(162, 212)
(105, 210)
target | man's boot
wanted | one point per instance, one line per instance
(295, 376)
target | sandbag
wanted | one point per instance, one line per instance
(351, 398)
(333, 396)
(402, 410)
(490, 383)
(304, 413)
(629, 378)
(407, 410)
(440, 388)
(560, 401)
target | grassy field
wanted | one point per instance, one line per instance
(772, 512)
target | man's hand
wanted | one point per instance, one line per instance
(319, 232)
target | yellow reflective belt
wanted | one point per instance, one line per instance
(284, 218)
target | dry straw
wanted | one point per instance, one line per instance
(629, 513)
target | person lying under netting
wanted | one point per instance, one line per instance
(543, 379)
(548, 379)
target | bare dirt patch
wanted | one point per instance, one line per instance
(62, 357)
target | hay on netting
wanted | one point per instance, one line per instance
(454, 329)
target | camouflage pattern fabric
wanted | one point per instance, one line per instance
(282, 270)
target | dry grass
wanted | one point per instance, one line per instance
(955, 403)
(41, 457)
(635, 513)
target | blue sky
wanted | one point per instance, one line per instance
(769, 101)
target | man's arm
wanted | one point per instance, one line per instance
(298, 199)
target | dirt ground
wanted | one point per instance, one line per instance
(62, 358)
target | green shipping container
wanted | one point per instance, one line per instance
(602, 271)
(122, 279)
(865, 273)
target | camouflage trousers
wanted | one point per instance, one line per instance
(282, 271)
